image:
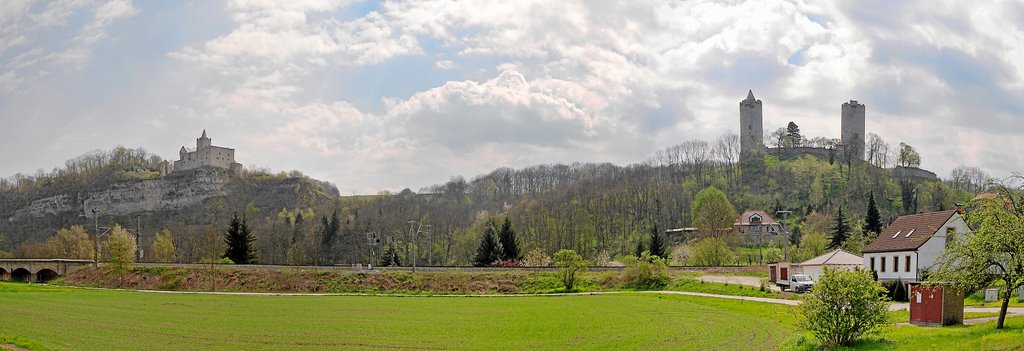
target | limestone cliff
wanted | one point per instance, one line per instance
(196, 197)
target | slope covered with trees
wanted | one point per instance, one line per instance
(601, 211)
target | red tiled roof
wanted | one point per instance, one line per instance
(744, 218)
(923, 225)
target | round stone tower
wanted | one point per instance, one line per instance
(751, 129)
(853, 129)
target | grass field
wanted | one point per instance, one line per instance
(68, 318)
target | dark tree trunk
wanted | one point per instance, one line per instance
(1002, 311)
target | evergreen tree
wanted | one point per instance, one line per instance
(840, 232)
(297, 228)
(657, 243)
(328, 235)
(390, 258)
(240, 241)
(639, 248)
(509, 246)
(488, 252)
(873, 220)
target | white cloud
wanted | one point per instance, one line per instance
(523, 82)
(21, 28)
(445, 65)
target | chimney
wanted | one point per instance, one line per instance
(960, 208)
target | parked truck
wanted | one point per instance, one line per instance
(790, 276)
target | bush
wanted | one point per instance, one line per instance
(896, 291)
(711, 252)
(537, 258)
(505, 263)
(843, 307)
(772, 255)
(646, 272)
(569, 264)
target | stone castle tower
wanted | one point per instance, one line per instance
(853, 129)
(751, 129)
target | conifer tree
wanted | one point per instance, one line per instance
(328, 234)
(297, 228)
(639, 248)
(391, 258)
(873, 220)
(488, 251)
(840, 232)
(509, 245)
(657, 243)
(240, 241)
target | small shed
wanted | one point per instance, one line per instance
(935, 305)
(835, 259)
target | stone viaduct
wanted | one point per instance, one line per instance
(38, 270)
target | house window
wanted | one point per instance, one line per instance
(950, 235)
(873, 264)
(895, 264)
(906, 267)
(883, 264)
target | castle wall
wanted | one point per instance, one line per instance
(853, 128)
(914, 172)
(795, 152)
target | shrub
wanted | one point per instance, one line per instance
(569, 264)
(711, 252)
(537, 258)
(896, 291)
(646, 272)
(772, 255)
(843, 307)
(505, 263)
(681, 255)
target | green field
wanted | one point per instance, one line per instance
(67, 318)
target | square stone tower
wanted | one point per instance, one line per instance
(853, 129)
(751, 129)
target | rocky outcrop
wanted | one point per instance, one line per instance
(169, 193)
(164, 194)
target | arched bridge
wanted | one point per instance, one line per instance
(38, 270)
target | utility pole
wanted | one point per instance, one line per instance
(138, 233)
(785, 245)
(409, 237)
(96, 238)
(372, 240)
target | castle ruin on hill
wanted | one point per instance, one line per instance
(850, 146)
(205, 155)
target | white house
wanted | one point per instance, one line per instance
(836, 259)
(912, 244)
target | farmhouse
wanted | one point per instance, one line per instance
(912, 244)
(752, 222)
(836, 259)
(815, 267)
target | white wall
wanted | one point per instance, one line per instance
(815, 271)
(925, 256)
(901, 271)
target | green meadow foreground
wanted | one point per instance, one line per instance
(43, 317)
(64, 318)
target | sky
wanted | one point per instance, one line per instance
(387, 95)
